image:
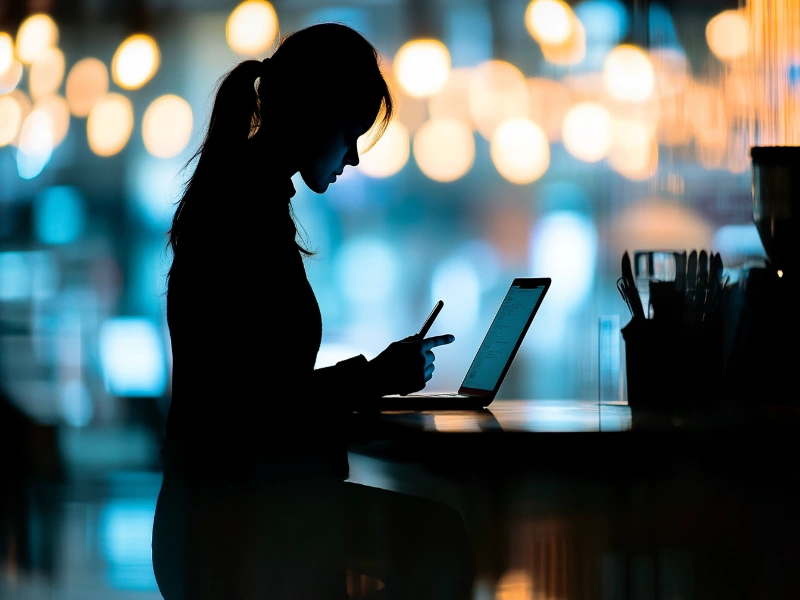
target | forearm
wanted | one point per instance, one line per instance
(350, 381)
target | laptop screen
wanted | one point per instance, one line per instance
(505, 335)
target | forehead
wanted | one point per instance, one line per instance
(362, 125)
(362, 113)
(352, 124)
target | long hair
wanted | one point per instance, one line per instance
(321, 74)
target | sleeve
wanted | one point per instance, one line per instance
(349, 380)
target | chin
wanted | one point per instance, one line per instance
(316, 185)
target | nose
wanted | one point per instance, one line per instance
(351, 158)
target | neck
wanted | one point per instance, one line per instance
(277, 155)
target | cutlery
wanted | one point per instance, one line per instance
(623, 292)
(691, 284)
(717, 283)
(701, 287)
(662, 299)
(680, 272)
(630, 287)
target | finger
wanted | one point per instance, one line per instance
(437, 340)
(429, 369)
(429, 357)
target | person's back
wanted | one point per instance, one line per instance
(245, 328)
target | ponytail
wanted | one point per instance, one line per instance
(234, 117)
(235, 108)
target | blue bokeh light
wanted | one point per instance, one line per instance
(125, 532)
(59, 214)
(132, 357)
(605, 21)
(564, 247)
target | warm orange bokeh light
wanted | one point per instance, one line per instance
(727, 34)
(498, 91)
(422, 67)
(444, 149)
(87, 82)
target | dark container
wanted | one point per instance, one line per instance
(775, 194)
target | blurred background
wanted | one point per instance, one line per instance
(538, 138)
(534, 138)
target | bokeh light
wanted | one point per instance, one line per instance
(132, 357)
(586, 132)
(565, 242)
(35, 144)
(389, 154)
(628, 74)
(728, 34)
(497, 91)
(59, 214)
(55, 107)
(10, 119)
(10, 78)
(36, 34)
(422, 67)
(570, 52)
(252, 27)
(135, 62)
(110, 124)
(87, 82)
(444, 149)
(520, 150)
(25, 105)
(606, 21)
(549, 21)
(46, 73)
(167, 126)
(6, 51)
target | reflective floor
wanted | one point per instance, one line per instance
(679, 534)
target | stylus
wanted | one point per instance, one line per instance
(431, 318)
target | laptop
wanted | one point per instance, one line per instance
(493, 359)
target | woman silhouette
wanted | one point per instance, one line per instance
(254, 502)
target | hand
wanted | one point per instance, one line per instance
(407, 365)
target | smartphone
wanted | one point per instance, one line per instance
(431, 318)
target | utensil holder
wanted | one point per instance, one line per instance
(673, 367)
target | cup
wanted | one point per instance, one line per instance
(673, 367)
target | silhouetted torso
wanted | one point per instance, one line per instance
(245, 329)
